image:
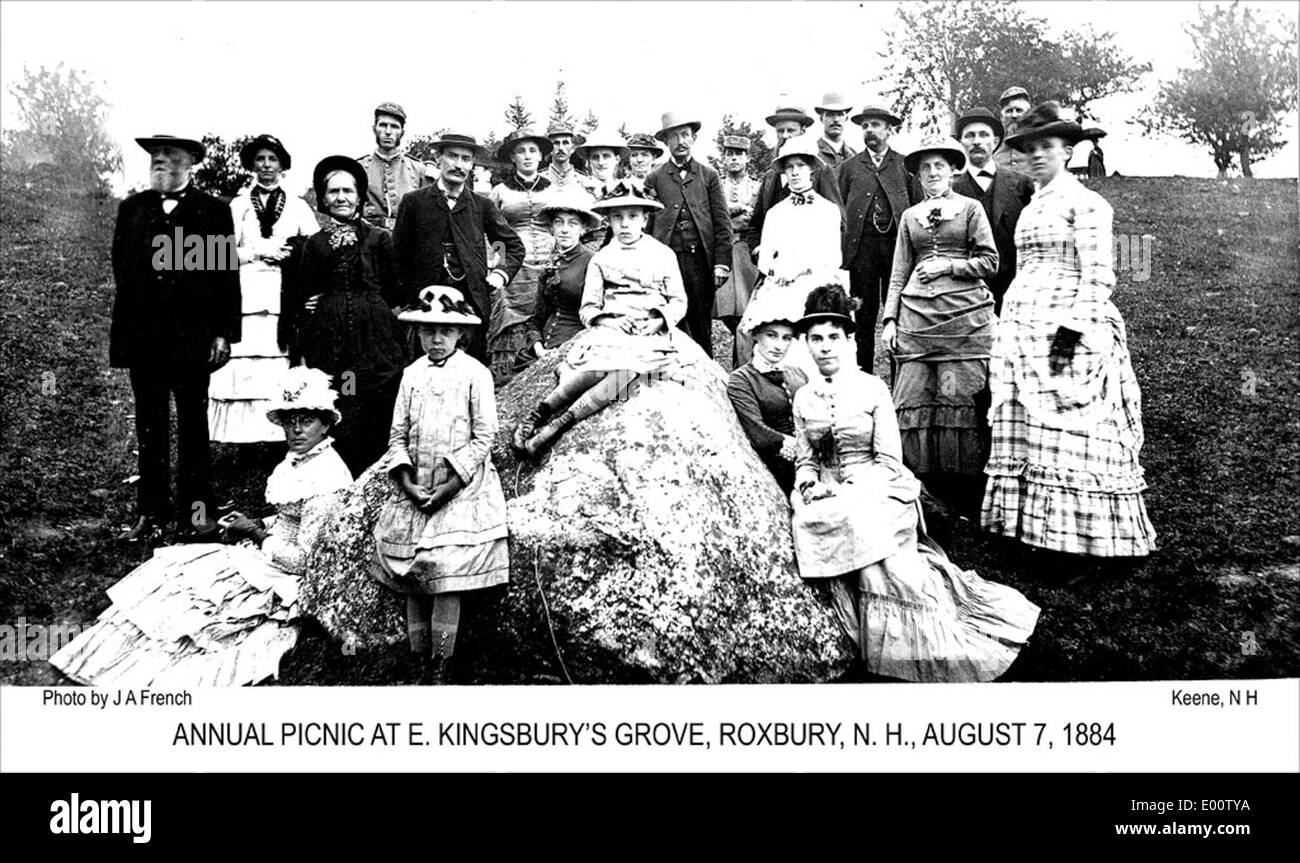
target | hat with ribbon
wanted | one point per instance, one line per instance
(787, 113)
(876, 111)
(303, 389)
(799, 145)
(674, 120)
(627, 192)
(249, 151)
(1044, 121)
(833, 101)
(457, 139)
(645, 141)
(189, 145)
(775, 306)
(439, 304)
(954, 152)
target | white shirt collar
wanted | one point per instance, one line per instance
(989, 165)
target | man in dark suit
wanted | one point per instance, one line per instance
(694, 223)
(175, 315)
(1002, 190)
(439, 237)
(788, 123)
(876, 189)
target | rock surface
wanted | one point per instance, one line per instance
(659, 540)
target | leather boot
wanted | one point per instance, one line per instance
(546, 435)
(528, 426)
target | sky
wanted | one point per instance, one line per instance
(311, 73)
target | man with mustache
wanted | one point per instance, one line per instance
(389, 172)
(831, 146)
(1002, 190)
(561, 172)
(694, 223)
(876, 189)
(174, 319)
(788, 123)
(439, 238)
(1013, 102)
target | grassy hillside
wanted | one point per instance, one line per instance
(1213, 333)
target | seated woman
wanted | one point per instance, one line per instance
(214, 615)
(939, 326)
(555, 317)
(800, 247)
(632, 301)
(761, 391)
(346, 288)
(911, 612)
(442, 533)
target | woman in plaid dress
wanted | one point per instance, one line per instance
(1066, 413)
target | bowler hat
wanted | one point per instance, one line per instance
(1044, 121)
(248, 152)
(189, 145)
(941, 144)
(876, 111)
(456, 139)
(978, 115)
(788, 113)
(673, 120)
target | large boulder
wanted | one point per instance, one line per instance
(660, 544)
(650, 545)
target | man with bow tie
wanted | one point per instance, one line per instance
(1002, 190)
(876, 189)
(174, 318)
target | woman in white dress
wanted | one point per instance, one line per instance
(265, 218)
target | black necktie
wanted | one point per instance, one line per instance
(776, 376)
(171, 196)
(801, 198)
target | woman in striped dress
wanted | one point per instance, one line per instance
(1066, 412)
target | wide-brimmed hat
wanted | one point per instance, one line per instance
(771, 307)
(248, 152)
(189, 145)
(599, 139)
(876, 111)
(627, 192)
(1013, 93)
(827, 303)
(736, 142)
(329, 165)
(978, 115)
(951, 150)
(1044, 121)
(1094, 134)
(799, 145)
(834, 101)
(392, 109)
(439, 304)
(673, 120)
(645, 141)
(787, 113)
(576, 202)
(303, 389)
(458, 139)
(507, 149)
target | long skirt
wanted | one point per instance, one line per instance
(511, 309)
(241, 391)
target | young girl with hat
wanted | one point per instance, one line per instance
(212, 615)
(442, 532)
(632, 302)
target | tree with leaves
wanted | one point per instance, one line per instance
(517, 116)
(760, 154)
(589, 122)
(971, 52)
(63, 118)
(1235, 98)
(221, 173)
(560, 108)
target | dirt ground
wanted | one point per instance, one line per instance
(1212, 316)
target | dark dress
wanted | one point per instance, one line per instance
(555, 317)
(353, 335)
(763, 406)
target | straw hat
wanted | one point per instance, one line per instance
(941, 144)
(834, 101)
(799, 145)
(771, 307)
(673, 120)
(576, 202)
(440, 304)
(599, 139)
(645, 141)
(303, 389)
(457, 139)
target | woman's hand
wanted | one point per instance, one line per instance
(310, 304)
(816, 491)
(275, 255)
(889, 336)
(416, 493)
(932, 268)
(236, 526)
(1062, 351)
(649, 326)
(789, 449)
(618, 322)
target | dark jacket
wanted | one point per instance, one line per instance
(860, 182)
(772, 191)
(701, 193)
(423, 220)
(1005, 198)
(169, 314)
(831, 157)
